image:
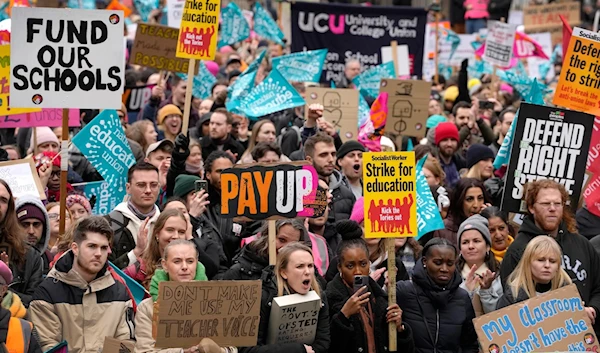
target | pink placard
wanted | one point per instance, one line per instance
(46, 117)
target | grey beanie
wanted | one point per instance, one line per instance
(480, 224)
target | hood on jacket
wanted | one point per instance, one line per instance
(42, 244)
(13, 303)
(64, 272)
(587, 223)
(251, 260)
(439, 296)
(336, 179)
(162, 276)
(531, 230)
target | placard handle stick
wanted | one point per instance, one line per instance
(390, 248)
(280, 14)
(188, 96)
(272, 243)
(436, 79)
(64, 167)
(394, 45)
(34, 149)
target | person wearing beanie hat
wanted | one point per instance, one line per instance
(450, 95)
(434, 120)
(79, 206)
(446, 140)
(34, 219)
(478, 265)
(170, 120)
(349, 159)
(46, 141)
(10, 300)
(184, 185)
(473, 85)
(480, 160)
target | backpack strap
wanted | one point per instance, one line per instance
(118, 223)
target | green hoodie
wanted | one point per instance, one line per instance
(161, 276)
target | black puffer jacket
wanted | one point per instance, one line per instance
(348, 333)
(27, 278)
(247, 265)
(343, 198)
(441, 318)
(269, 291)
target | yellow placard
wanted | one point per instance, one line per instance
(198, 33)
(579, 84)
(390, 194)
(5, 109)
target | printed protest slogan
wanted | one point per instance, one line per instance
(340, 107)
(268, 191)
(303, 66)
(135, 98)
(228, 312)
(174, 12)
(579, 84)
(22, 177)
(67, 58)
(390, 192)
(5, 108)
(45, 117)
(107, 197)
(155, 47)
(499, 43)
(549, 143)
(357, 32)
(198, 33)
(407, 106)
(551, 322)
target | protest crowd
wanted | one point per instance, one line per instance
(448, 182)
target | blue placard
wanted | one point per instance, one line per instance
(305, 66)
(368, 81)
(234, 27)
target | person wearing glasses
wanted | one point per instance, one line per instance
(548, 215)
(142, 187)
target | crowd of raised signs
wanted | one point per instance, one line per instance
(76, 286)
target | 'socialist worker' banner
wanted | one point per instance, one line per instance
(389, 189)
(550, 143)
(269, 191)
(198, 34)
(579, 84)
(63, 58)
(552, 322)
(357, 32)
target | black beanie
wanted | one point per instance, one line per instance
(477, 153)
(348, 147)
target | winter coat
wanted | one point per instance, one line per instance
(66, 307)
(487, 297)
(449, 232)
(206, 238)
(247, 265)
(208, 146)
(228, 231)
(348, 334)
(343, 198)
(17, 339)
(42, 244)
(588, 223)
(269, 291)
(596, 243)
(440, 318)
(508, 298)
(27, 277)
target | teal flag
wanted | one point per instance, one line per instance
(272, 95)
(428, 213)
(203, 81)
(368, 81)
(265, 26)
(304, 66)
(107, 197)
(85, 4)
(137, 291)
(409, 145)
(144, 7)
(364, 111)
(234, 27)
(243, 85)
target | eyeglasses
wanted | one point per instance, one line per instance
(56, 216)
(144, 186)
(55, 174)
(547, 205)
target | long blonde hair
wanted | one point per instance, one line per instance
(252, 141)
(283, 259)
(521, 278)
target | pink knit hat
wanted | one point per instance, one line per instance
(6, 273)
(44, 134)
(80, 199)
(358, 211)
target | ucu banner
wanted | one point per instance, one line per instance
(357, 32)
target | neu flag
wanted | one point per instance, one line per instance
(203, 82)
(107, 197)
(428, 213)
(243, 85)
(304, 66)
(368, 81)
(234, 27)
(265, 27)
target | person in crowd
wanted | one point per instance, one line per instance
(446, 140)
(53, 209)
(500, 230)
(158, 152)
(265, 152)
(177, 98)
(193, 163)
(438, 311)
(33, 217)
(468, 198)
(294, 273)
(433, 172)
(351, 70)
(170, 121)
(472, 127)
(24, 260)
(275, 50)
(48, 168)
(12, 151)
(349, 159)
(538, 271)
(409, 251)
(142, 132)
(505, 119)
(46, 141)
(220, 138)
(434, 108)
(359, 317)
(421, 150)
(479, 268)
(320, 151)
(263, 131)
(79, 206)
(142, 187)
(179, 263)
(476, 15)
(81, 276)
(479, 162)
(549, 215)
(202, 129)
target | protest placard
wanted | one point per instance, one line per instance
(408, 102)
(107, 196)
(228, 312)
(294, 318)
(579, 86)
(45, 117)
(390, 192)
(5, 108)
(174, 12)
(268, 191)
(594, 148)
(535, 63)
(368, 81)
(499, 43)
(549, 143)
(155, 47)
(135, 98)
(60, 63)
(113, 345)
(545, 18)
(403, 58)
(551, 322)
(304, 66)
(340, 107)
(22, 177)
(198, 33)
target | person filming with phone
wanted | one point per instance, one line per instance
(358, 308)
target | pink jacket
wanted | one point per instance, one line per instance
(479, 9)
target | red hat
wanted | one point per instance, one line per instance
(445, 130)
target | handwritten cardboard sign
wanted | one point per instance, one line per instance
(22, 177)
(5, 108)
(45, 117)
(155, 46)
(545, 18)
(268, 191)
(340, 107)
(113, 345)
(228, 312)
(198, 32)
(555, 321)
(408, 102)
